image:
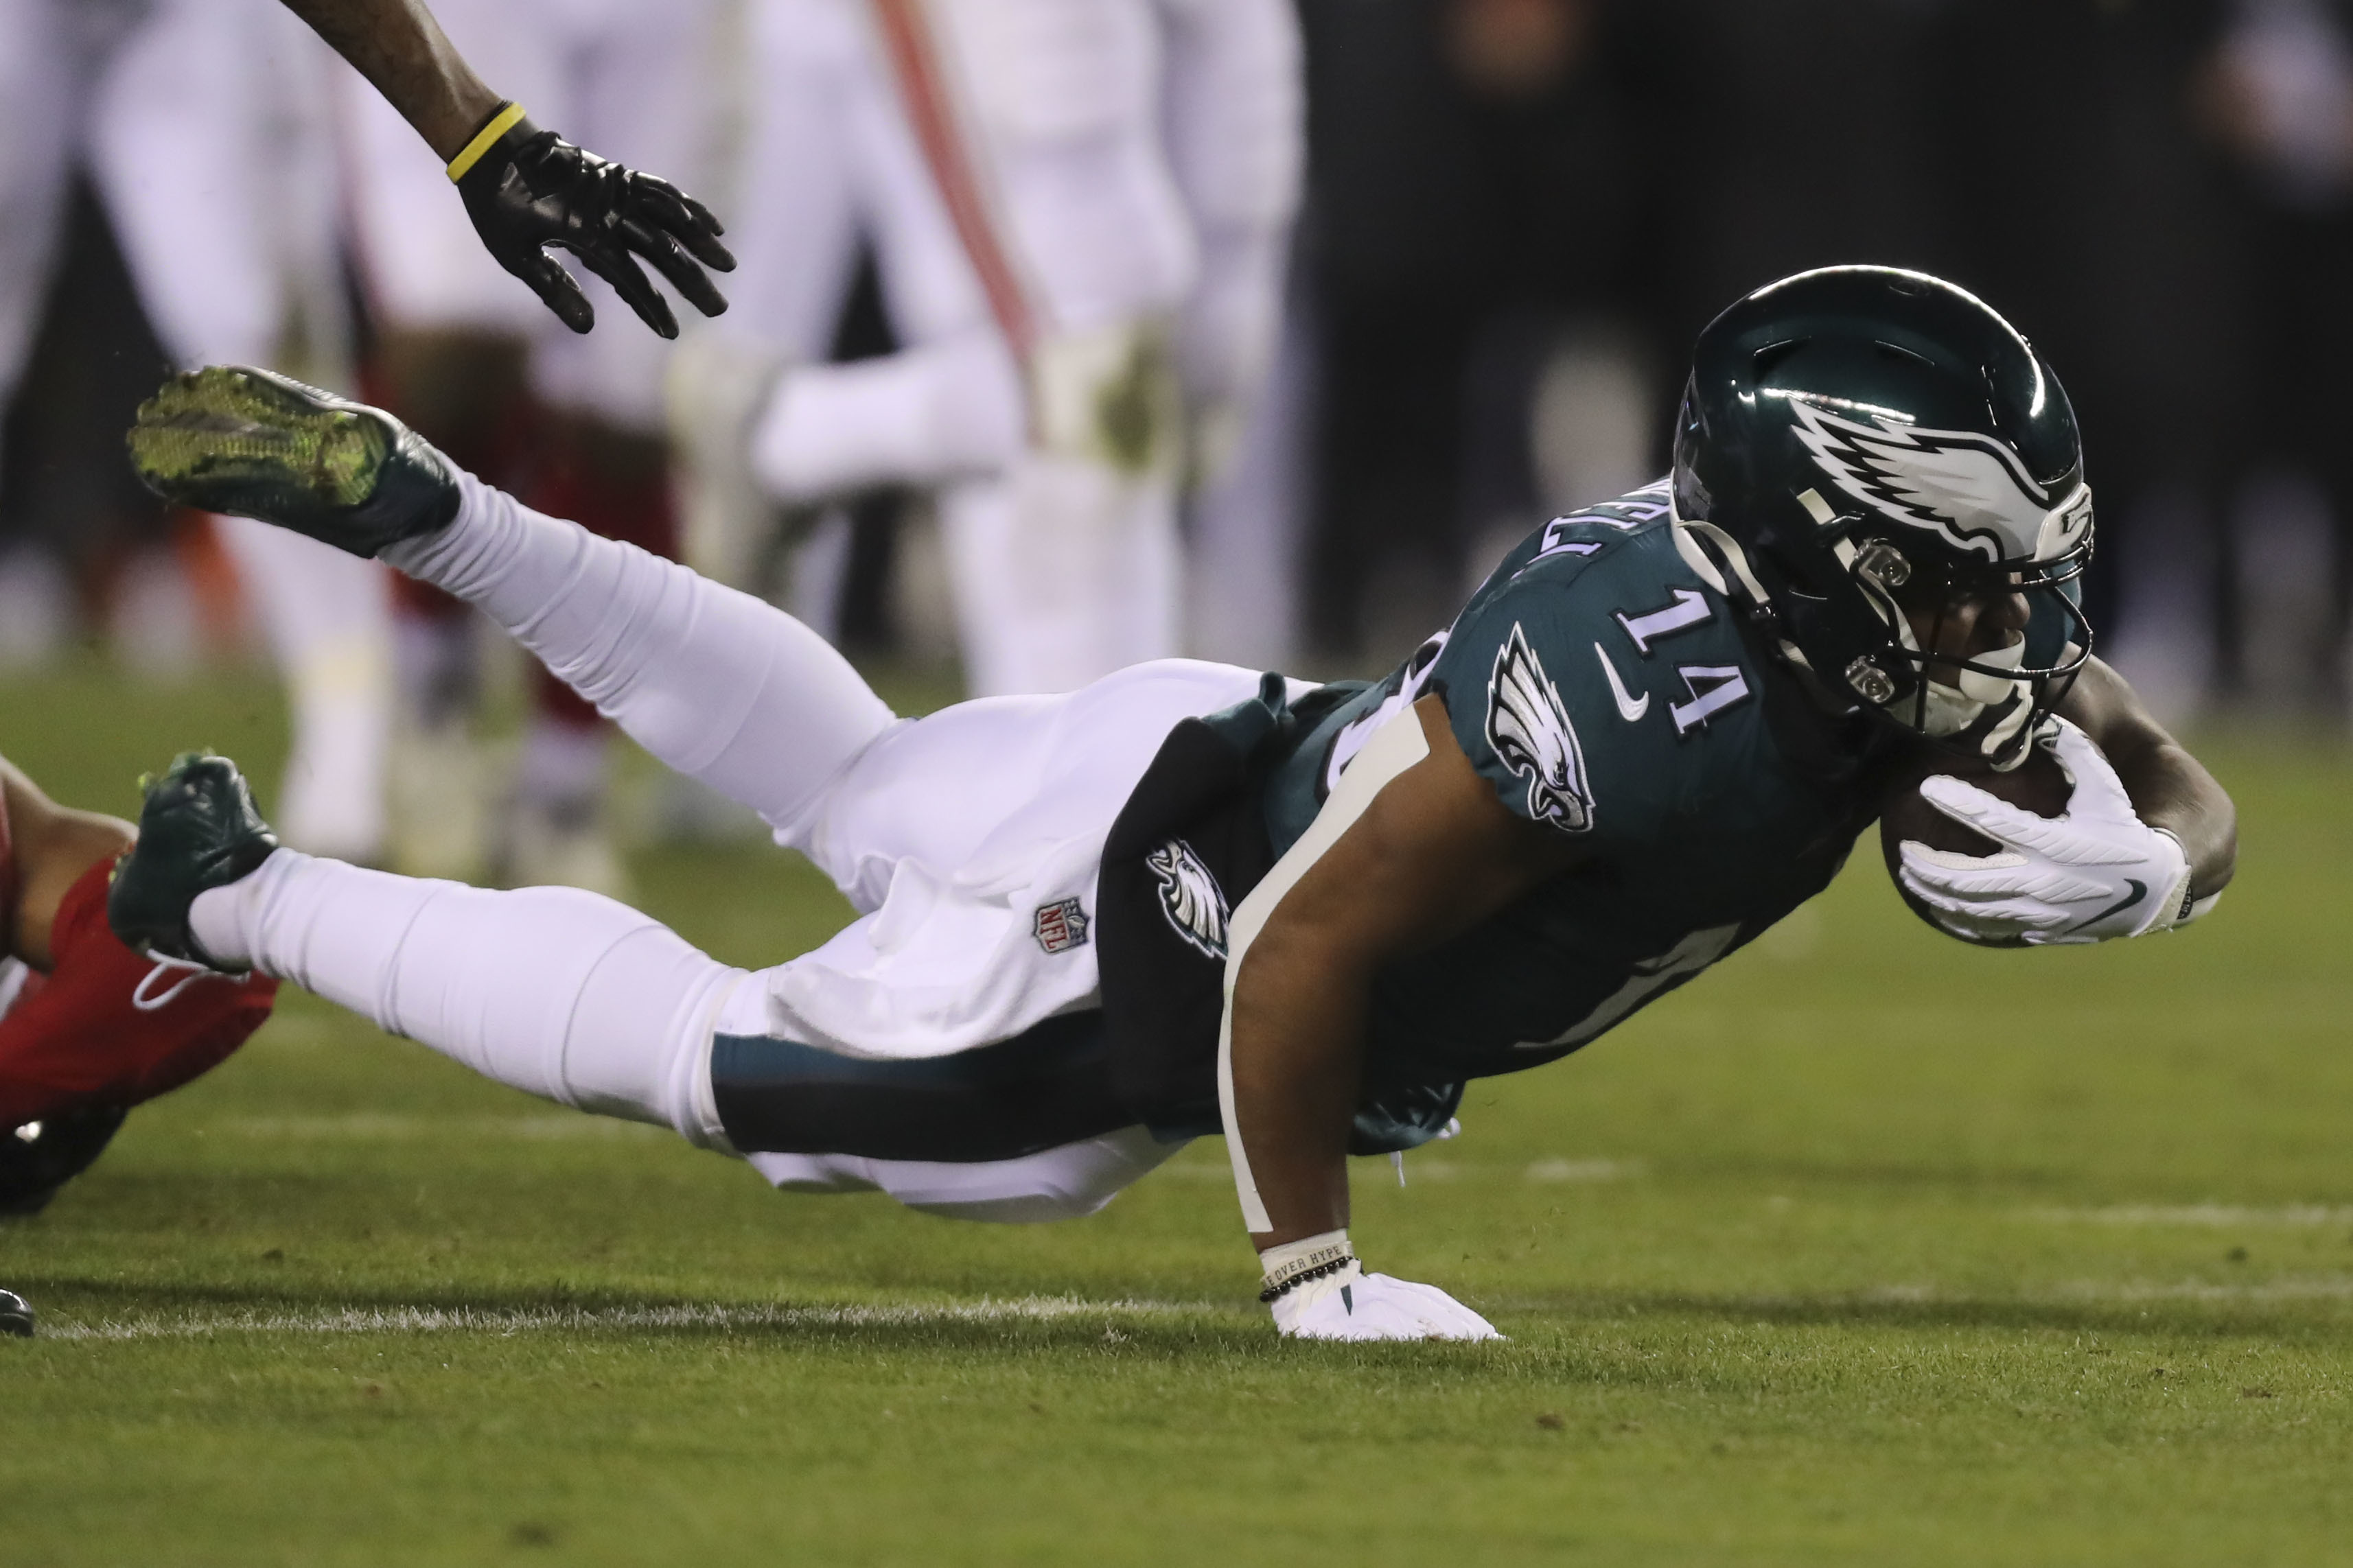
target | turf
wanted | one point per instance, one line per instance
(1865, 1248)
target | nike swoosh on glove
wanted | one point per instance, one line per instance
(532, 189)
(1355, 1305)
(2093, 872)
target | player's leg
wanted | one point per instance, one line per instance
(554, 991)
(719, 685)
(328, 616)
(575, 998)
(201, 114)
(582, 1001)
(1065, 569)
(794, 230)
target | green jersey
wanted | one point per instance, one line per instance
(1606, 692)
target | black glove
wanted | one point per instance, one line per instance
(531, 189)
(33, 1168)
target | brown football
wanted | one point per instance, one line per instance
(2038, 784)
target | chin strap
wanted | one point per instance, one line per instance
(1718, 561)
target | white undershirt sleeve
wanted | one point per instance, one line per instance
(1395, 747)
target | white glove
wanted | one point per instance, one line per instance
(2093, 872)
(1355, 1305)
(1319, 1291)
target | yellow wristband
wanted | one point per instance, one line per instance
(501, 123)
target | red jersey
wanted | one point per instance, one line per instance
(106, 1025)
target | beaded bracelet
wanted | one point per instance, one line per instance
(1276, 1292)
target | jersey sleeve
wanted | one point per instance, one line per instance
(1545, 715)
(110, 1027)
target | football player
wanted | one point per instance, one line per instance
(87, 1027)
(1187, 897)
(1079, 211)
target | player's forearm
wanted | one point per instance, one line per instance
(2169, 788)
(2172, 791)
(402, 51)
(1296, 1060)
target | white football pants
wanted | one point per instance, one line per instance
(1079, 210)
(949, 833)
(204, 125)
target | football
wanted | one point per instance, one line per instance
(2038, 784)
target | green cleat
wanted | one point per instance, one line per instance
(233, 439)
(198, 830)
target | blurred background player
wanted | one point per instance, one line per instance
(87, 1028)
(1517, 211)
(1080, 212)
(573, 422)
(204, 127)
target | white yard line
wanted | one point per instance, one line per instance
(576, 1320)
(507, 1322)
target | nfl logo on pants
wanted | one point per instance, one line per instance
(1060, 926)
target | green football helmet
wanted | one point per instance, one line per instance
(1860, 442)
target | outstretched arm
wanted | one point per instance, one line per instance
(404, 54)
(527, 189)
(1432, 854)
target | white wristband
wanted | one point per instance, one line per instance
(1295, 1263)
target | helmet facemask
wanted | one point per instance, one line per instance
(1986, 704)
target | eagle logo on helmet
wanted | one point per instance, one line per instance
(1968, 489)
(1190, 897)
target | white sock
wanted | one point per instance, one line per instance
(329, 620)
(721, 686)
(556, 992)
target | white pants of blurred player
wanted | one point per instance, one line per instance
(950, 835)
(631, 80)
(204, 125)
(1079, 210)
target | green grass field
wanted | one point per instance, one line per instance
(1866, 1249)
